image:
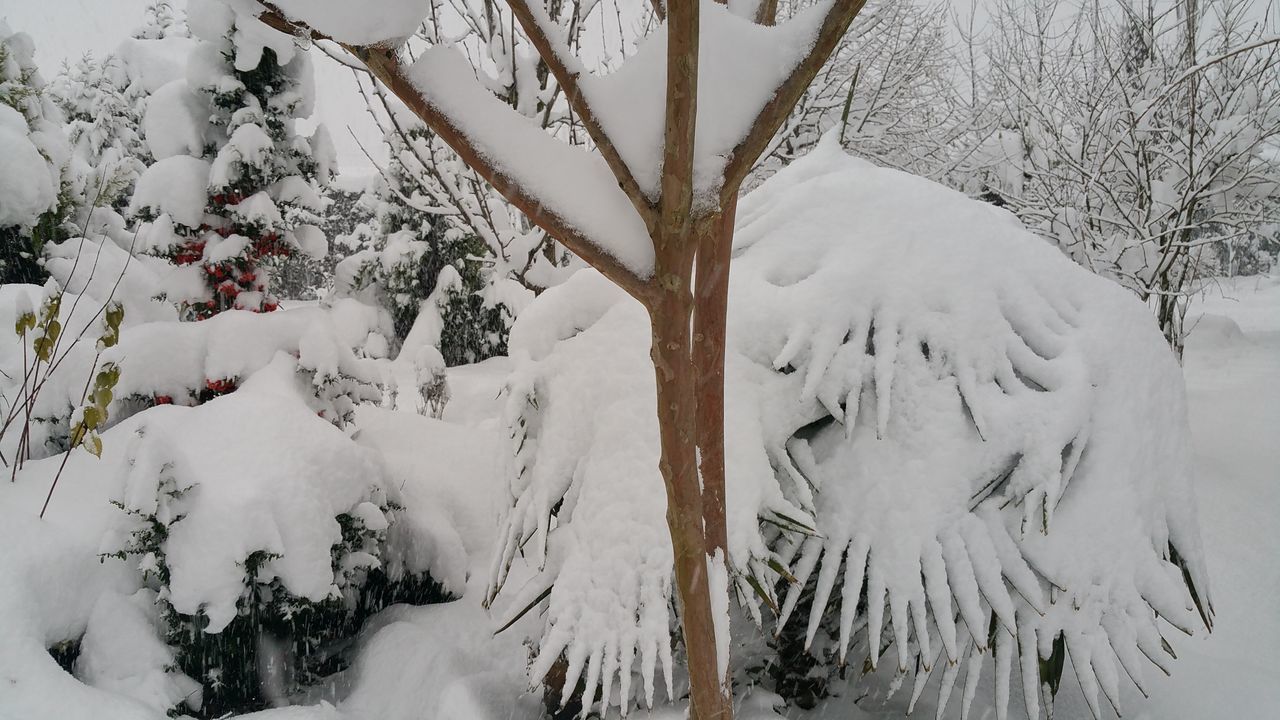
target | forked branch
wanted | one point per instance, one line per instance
(384, 65)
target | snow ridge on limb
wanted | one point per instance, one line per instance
(740, 68)
(573, 185)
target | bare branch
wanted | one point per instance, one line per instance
(681, 114)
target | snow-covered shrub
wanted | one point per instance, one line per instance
(35, 175)
(233, 187)
(268, 537)
(413, 262)
(937, 418)
(335, 351)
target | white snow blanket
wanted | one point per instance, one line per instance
(919, 393)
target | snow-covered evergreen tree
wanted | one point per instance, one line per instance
(36, 180)
(162, 22)
(412, 260)
(103, 123)
(234, 187)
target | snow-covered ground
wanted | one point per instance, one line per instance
(1233, 388)
(442, 661)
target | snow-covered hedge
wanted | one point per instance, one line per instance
(336, 347)
(268, 535)
(248, 543)
(932, 416)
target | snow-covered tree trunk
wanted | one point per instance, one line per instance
(670, 207)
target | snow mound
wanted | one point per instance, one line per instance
(437, 662)
(239, 494)
(176, 121)
(165, 362)
(176, 186)
(1215, 331)
(28, 186)
(935, 407)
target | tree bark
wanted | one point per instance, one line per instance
(670, 311)
(711, 288)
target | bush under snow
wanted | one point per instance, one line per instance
(929, 417)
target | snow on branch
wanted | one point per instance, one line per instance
(544, 33)
(570, 186)
(746, 74)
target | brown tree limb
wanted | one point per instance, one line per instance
(670, 312)
(711, 304)
(679, 125)
(385, 67)
(776, 111)
(767, 12)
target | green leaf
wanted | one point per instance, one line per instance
(114, 316)
(541, 596)
(785, 574)
(1051, 669)
(25, 322)
(102, 396)
(760, 592)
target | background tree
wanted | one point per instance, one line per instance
(889, 89)
(415, 259)
(1135, 137)
(36, 180)
(262, 181)
(102, 124)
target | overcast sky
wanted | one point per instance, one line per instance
(66, 29)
